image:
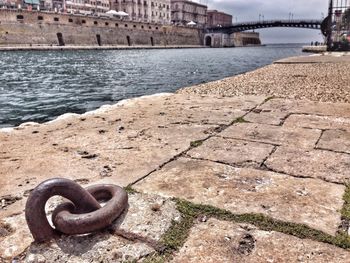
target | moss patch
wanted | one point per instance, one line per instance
(195, 144)
(130, 190)
(269, 98)
(239, 120)
(345, 212)
(177, 234)
(263, 222)
(172, 240)
(175, 237)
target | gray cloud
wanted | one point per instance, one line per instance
(249, 10)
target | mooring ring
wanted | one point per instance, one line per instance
(82, 215)
(68, 222)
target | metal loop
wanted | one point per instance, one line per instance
(82, 215)
(68, 222)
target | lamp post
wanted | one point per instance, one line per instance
(329, 25)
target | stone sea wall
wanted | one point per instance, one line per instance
(27, 28)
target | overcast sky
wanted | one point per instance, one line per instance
(249, 10)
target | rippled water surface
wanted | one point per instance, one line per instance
(41, 85)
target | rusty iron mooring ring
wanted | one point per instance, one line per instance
(82, 215)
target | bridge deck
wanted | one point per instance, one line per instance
(239, 27)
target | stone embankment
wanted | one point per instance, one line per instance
(319, 78)
(315, 49)
(211, 176)
(50, 48)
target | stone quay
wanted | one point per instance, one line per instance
(253, 168)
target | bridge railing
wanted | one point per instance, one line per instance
(283, 21)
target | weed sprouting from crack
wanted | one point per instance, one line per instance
(264, 223)
(130, 190)
(176, 235)
(269, 98)
(239, 120)
(195, 144)
(345, 212)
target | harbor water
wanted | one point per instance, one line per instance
(41, 85)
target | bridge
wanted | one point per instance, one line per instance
(239, 27)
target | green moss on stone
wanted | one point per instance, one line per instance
(263, 222)
(195, 144)
(345, 212)
(239, 120)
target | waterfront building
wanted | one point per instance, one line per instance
(87, 7)
(10, 3)
(184, 11)
(58, 5)
(218, 19)
(154, 11)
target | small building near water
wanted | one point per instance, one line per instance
(218, 19)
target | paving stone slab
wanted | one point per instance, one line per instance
(326, 165)
(276, 135)
(92, 248)
(309, 107)
(146, 219)
(99, 144)
(231, 151)
(335, 140)
(267, 116)
(148, 216)
(243, 190)
(17, 237)
(218, 241)
(275, 111)
(317, 122)
(34, 159)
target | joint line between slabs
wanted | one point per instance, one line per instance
(329, 150)
(262, 168)
(174, 158)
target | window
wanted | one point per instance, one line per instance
(95, 23)
(83, 21)
(126, 25)
(106, 24)
(116, 24)
(20, 17)
(40, 18)
(56, 19)
(70, 20)
(134, 26)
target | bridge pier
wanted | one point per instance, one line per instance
(239, 39)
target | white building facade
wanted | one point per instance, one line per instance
(184, 11)
(87, 6)
(153, 11)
